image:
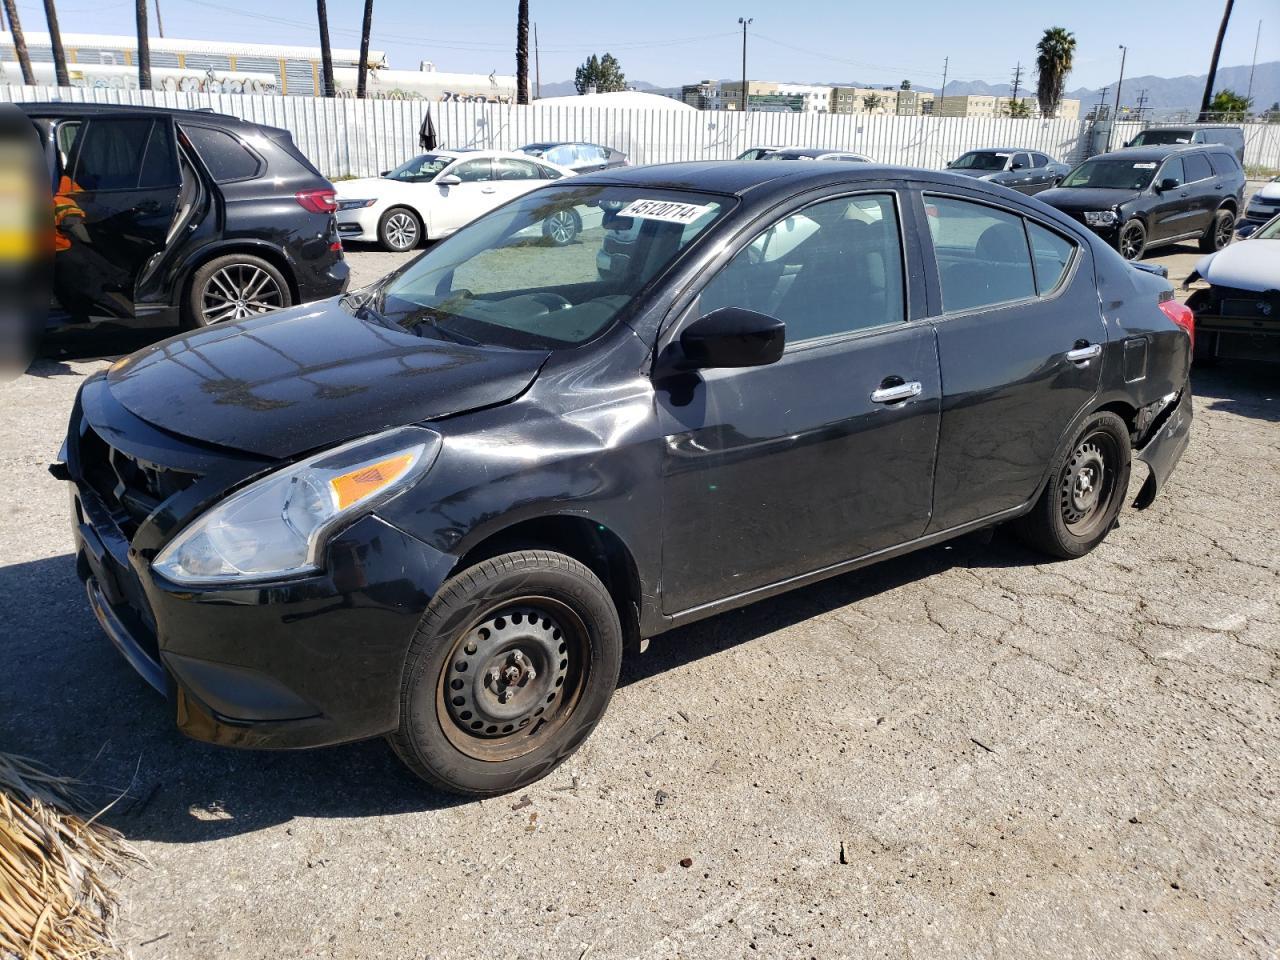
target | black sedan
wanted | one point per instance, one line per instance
(439, 510)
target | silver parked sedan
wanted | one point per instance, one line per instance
(1027, 171)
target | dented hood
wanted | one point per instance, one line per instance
(1244, 265)
(310, 377)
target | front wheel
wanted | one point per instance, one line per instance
(1220, 232)
(1085, 493)
(561, 228)
(1132, 241)
(510, 670)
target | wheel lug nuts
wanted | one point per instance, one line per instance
(531, 673)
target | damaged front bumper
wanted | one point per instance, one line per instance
(1162, 439)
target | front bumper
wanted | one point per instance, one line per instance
(294, 663)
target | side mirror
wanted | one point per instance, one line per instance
(1017, 165)
(449, 180)
(383, 173)
(1168, 183)
(731, 337)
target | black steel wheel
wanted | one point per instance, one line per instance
(234, 287)
(1086, 490)
(561, 228)
(510, 670)
(1220, 233)
(1132, 240)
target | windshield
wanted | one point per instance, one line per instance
(1112, 174)
(1270, 231)
(551, 269)
(792, 155)
(420, 169)
(1152, 138)
(981, 160)
(535, 149)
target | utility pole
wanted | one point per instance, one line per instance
(1142, 103)
(1017, 81)
(537, 66)
(942, 94)
(159, 22)
(1213, 64)
(1115, 114)
(1254, 64)
(745, 23)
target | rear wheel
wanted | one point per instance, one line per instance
(235, 287)
(561, 228)
(399, 230)
(1085, 493)
(511, 668)
(1132, 240)
(1219, 233)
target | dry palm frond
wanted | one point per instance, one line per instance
(55, 903)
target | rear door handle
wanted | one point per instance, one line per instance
(896, 392)
(1085, 353)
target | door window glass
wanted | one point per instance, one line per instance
(160, 162)
(226, 157)
(1223, 163)
(473, 171)
(832, 268)
(1041, 160)
(110, 154)
(1172, 170)
(66, 137)
(1021, 161)
(1196, 167)
(1052, 253)
(563, 155)
(549, 173)
(505, 169)
(981, 252)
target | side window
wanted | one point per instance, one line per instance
(1196, 167)
(66, 138)
(1172, 170)
(110, 154)
(506, 169)
(549, 173)
(1041, 160)
(1021, 161)
(160, 162)
(1223, 163)
(473, 171)
(1052, 253)
(226, 157)
(982, 254)
(833, 268)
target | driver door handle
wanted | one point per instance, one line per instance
(895, 393)
(488, 189)
(1085, 353)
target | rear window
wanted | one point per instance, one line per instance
(226, 157)
(1149, 138)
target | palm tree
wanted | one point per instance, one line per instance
(1055, 54)
(522, 52)
(1213, 64)
(19, 42)
(362, 71)
(326, 55)
(55, 41)
(144, 47)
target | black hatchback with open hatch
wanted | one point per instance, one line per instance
(182, 217)
(440, 508)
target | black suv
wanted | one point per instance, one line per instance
(1232, 137)
(1144, 197)
(175, 216)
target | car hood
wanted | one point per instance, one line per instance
(1085, 198)
(310, 377)
(1269, 191)
(1245, 265)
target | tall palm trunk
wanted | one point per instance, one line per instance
(1213, 64)
(144, 48)
(55, 41)
(522, 52)
(363, 72)
(19, 42)
(326, 55)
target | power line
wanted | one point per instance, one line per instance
(899, 68)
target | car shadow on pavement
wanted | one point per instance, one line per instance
(93, 343)
(71, 702)
(1247, 389)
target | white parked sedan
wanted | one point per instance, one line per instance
(434, 194)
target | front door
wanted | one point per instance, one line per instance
(115, 200)
(772, 472)
(457, 205)
(1019, 341)
(1174, 212)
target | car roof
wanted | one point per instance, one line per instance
(1162, 150)
(63, 109)
(1006, 150)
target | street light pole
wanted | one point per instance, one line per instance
(745, 23)
(1115, 114)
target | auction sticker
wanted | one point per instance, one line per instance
(1144, 166)
(672, 211)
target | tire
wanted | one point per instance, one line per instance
(234, 287)
(1220, 232)
(399, 230)
(1080, 504)
(561, 228)
(1131, 241)
(1206, 350)
(535, 627)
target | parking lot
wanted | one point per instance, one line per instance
(966, 752)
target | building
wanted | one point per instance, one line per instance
(980, 105)
(702, 96)
(776, 97)
(886, 100)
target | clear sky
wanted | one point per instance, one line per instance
(669, 42)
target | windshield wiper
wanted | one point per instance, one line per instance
(432, 318)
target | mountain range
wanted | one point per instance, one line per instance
(1165, 95)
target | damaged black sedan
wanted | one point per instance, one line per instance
(438, 510)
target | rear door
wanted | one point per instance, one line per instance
(120, 183)
(512, 177)
(1020, 337)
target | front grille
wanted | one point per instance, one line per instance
(130, 489)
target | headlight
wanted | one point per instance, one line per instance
(1100, 218)
(277, 526)
(355, 204)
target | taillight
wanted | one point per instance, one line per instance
(1181, 314)
(318, 201)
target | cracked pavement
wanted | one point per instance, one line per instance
(967, 752)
